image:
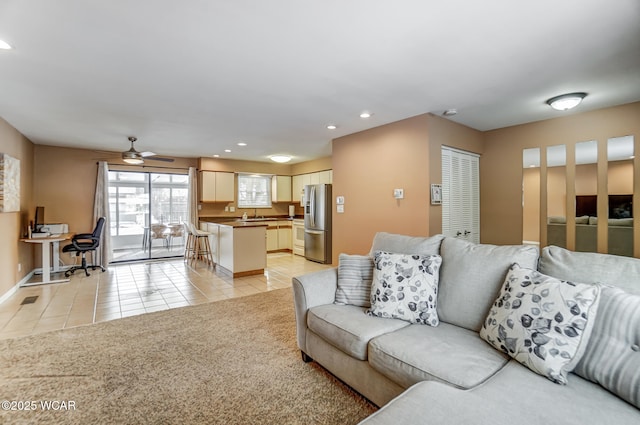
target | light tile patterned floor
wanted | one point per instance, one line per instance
(136, 288)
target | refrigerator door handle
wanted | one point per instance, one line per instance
(314, 232)
(312, 206)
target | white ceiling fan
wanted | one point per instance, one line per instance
(132, 156)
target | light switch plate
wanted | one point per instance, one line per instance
(340, 208)
(398, 193)
(340, 200)
(232, 209)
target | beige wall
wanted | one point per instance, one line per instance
(65, 182)
(13, 225)
(501, 163)
(367, 166)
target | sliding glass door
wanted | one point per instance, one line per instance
(147, 210)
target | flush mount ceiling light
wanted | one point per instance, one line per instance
(242, 144)
(450, 112)
(332, 126)
(280, 158)
(4, 45)
(566, 101)
(365, 114)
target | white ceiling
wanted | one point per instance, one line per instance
(194, 77)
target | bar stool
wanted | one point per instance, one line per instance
(200, 248)
(189, 246)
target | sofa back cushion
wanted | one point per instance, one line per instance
(612, 356)
(471, 277)
(590, 267)
(402, 244)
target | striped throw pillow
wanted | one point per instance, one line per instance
(355, 273)
(612, 357)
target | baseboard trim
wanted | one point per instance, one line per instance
(15, 288)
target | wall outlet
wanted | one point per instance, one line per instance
(226, 209)
(340, 208)
(232, 209)
(19, 267)
(398, 193)
(199, 207)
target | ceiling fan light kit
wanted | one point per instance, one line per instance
(567, 101)
(133, 157)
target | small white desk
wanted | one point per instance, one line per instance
(48, 243)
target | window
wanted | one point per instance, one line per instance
(254, 191)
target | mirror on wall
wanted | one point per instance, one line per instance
(620, 153)
(531, 196)
(603, 196)
(557, 195)
(586, 186)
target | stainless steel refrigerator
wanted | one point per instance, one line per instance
(317, 223)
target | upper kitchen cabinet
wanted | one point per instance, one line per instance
(281, 189)
(301, 180)
(216, 186)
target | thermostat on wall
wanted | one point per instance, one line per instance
(398, 193)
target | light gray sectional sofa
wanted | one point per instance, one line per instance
(448, 374)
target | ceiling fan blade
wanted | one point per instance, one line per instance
(159, 158)
(146, 154)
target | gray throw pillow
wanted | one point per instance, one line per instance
(355, 273)
(612, 356)
(542, 322)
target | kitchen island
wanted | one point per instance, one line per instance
(240, 246)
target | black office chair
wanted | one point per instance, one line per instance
(83, 243)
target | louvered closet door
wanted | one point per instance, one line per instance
(460, 195)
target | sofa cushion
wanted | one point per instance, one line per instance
(446, 353)
(590, 267)
(405, 287)
(542, 322)
(471, 276)
(355, 273)
(348, 328)
(514, 395)
(612, 357)
(403, 244)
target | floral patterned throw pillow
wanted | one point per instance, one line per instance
(542, 322)
(405, 287)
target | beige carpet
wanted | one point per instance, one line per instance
(228, 362)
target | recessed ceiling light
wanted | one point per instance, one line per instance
(365, 114)
(280, 158)
(242, 144)
(4, 45)
(566, 101)
(332, 127)
(227, 150)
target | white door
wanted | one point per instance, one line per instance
(460, 194)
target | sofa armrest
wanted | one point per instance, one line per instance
(310, 290)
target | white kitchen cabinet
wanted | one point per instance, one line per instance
(314, 178)
(217, 186)
(284, 235)
(272, 238)
(281, 189)
(325, 176)
(297, 187)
